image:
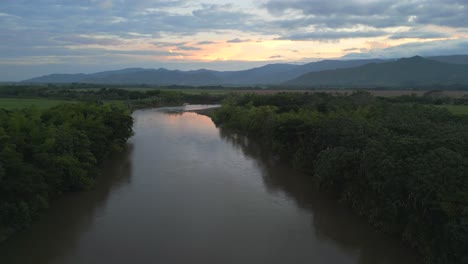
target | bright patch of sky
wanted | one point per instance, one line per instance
(70, 36)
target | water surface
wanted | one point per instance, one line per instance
(187, 192)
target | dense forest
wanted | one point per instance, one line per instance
(401, 164)
(44, 153)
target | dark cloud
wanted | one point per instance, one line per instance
(206, 42)
(187, 48)
(140, 52)
(419, 34)
(237, 40)
(276, 57)
(334, 35)
(175, 45)
(380, 14)
(120, 17)
(161, 18)
(164, 44)
(330, 7)
(57, 51)
(338, 21)
(351, 49)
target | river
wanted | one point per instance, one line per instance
(188, 192)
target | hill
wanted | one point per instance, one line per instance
(454, 59)
(415, 71)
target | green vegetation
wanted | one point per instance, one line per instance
(456, 109)
(138, 98)
(18, 103)
(401, 165)
(44, 153)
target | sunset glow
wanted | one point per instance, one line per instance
(85, 36)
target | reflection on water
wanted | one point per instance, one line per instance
(59, 229)
(187, 192)
(330, 220)
(183, 109)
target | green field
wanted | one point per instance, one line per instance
(456, 109)
(182, 90)
(15, 103)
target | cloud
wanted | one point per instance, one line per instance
(351, 49)
(419, 34)
(58, 51)
(120, 17)
(184, 18)
(237, 40)
(334, 35)
(187, 48)
(429, 48)
(115, 30)
(276, 57)
(88, 40)
(318, 7)
(5, 15)
(206, 42)
(375, 13)
(164, 44)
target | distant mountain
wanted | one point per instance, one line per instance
(327, 65)
(134, 76)
(280, 73)
(454, 59)
(58, 78)
(402, 72)
(157, 77)
(270, 74)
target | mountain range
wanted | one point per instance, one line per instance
(406, 72)
(368, 72)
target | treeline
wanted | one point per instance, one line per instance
(134, 97)
(402, 166)
(436, 97)
(44, 153)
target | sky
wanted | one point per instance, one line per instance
(39, 37)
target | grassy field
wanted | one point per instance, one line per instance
(456, 109)
(15, 103)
